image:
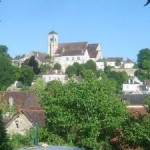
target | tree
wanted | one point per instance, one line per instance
(71, 70)
(144, 54)
(57, 66)
(44, 68)
(3, 135)
(118, 62)
(119, 77)
(3, 49)
(8, 73)
(142, 75)
(33, 64)
(26, 75)
(90, 65)
(79, 68)
(39, 86)
(83, 114)
(143, 62)
(50, 59)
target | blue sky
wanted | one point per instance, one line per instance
(122, 27)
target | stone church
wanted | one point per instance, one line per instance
(68, 53)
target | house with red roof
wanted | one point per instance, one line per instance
(27, 111)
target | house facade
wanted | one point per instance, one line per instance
(68, 53)
(128, 64)
(27, 111)
(133, 85)
(39, 57)
(51, 75)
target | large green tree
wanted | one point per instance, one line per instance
(143, 62)
(26, 75)
(83, 114)
(3, 135)
(8, 73)
(57, 66)
(90, 65)
(3, 49)
(119, 77)
(33, 64)
(143, 58)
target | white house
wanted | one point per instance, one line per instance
(100, 64)
(55, 75)
(68, 53)
(112, 61)
(132, 86)
(128, 64)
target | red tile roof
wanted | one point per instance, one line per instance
(27, 103)
(137, 109)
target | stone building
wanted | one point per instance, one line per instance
(68, 53)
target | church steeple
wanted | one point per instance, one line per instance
(52, 43)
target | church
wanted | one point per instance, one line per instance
(68, 53)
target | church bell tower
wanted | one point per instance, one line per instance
(52, 43)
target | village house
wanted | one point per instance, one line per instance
(39, 57)
(100, 64)
(27, 111)
(135, 102)
(114, 61)
(54, 74)
(135, 86)
(128, 64)
(132, 86)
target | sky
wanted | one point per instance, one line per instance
(121, 27)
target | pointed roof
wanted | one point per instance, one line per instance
(128, 61)
(52, 32)
(92, 50)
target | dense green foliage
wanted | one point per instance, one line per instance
(83, 114)
(3, 49)
(3, 136)
(57, 66)
(78, 69)
(143, 55)
(31, 62)
(143, 62)
(119, 77)
(26, 75)
(8, 73)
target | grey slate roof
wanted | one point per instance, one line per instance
(77, 48)
(52, 32)
(128, 61)
(134, 99)
(92, 50)
(40, 56)
(113, 59)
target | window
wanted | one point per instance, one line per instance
(78, 58)
(51, 39)
(67, 58)
(72, 58)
